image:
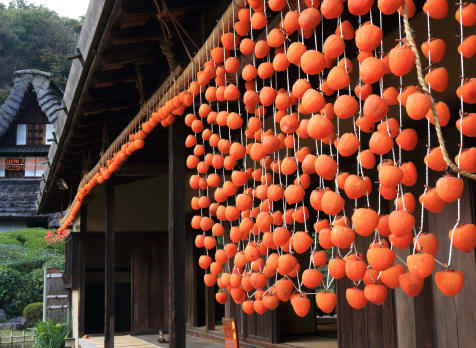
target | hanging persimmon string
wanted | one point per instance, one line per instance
(263, 203)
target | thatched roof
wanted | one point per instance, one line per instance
(48, 96)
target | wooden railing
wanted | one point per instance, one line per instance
(17, 339)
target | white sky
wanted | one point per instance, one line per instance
(65, 8)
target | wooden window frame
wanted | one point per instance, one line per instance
(31, 134)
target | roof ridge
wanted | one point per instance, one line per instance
(47, 95)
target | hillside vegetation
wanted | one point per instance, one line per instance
(34, 37)
(23, 254)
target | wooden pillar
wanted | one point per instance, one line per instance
(109, 266)
(81, 268)
(209, 308)
(176, 234)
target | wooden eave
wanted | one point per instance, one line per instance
(119, 45)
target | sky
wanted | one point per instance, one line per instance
(65, 8)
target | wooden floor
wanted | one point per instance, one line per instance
(125, 341)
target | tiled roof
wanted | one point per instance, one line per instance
(24, 149)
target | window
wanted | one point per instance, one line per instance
(36, 134)
(22, 167)
(2, 167)
(40, 166)
(49, 133)
(30, 166)
(21, 134)
(34, 166)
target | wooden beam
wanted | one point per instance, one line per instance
(135, 35)
(142, 170)
(124, 116)
(140, 19)
(125, 54)
(126, 75)
(137, 19)
(133, 7)
(120, 98)
(176, 235)
(109, 265)
(113, 92)
(93, 108)
(85, 144)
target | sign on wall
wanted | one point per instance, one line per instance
(231, 336)
(24, 166)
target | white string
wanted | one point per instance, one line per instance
(461, 131)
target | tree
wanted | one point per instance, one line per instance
(34, 37)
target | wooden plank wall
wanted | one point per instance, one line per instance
(368, 327)
(432, 319)
(150, 274)
(251, 327)
(56, 297)
(455, 317)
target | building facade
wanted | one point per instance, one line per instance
(26, 131)
(131, 262)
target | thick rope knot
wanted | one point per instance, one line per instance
(426, 89)
(166, 47)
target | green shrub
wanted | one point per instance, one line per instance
(23, 255)
(26, 260)
(18, 289)
(50, 335)
(31, 238)
(21, 276)
(33, 313)
(10, 282)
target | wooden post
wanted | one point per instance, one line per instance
(209, 308)
(79, 268)
(45, 299)
(109, 266)
(176, 235)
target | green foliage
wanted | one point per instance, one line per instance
(23, 254)
(17, 289)
(33, 313)
(50, 335)
(34, 37)
(4, 93)
(31, 238)
(10, 280)
(26, 260)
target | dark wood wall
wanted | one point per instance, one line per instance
(150, 273)
(253, 327)
(370, 327)
(430, 319)
(141, 280)
(30, 113)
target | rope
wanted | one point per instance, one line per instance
(166, 47)
(424, 87)
(161, 17)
